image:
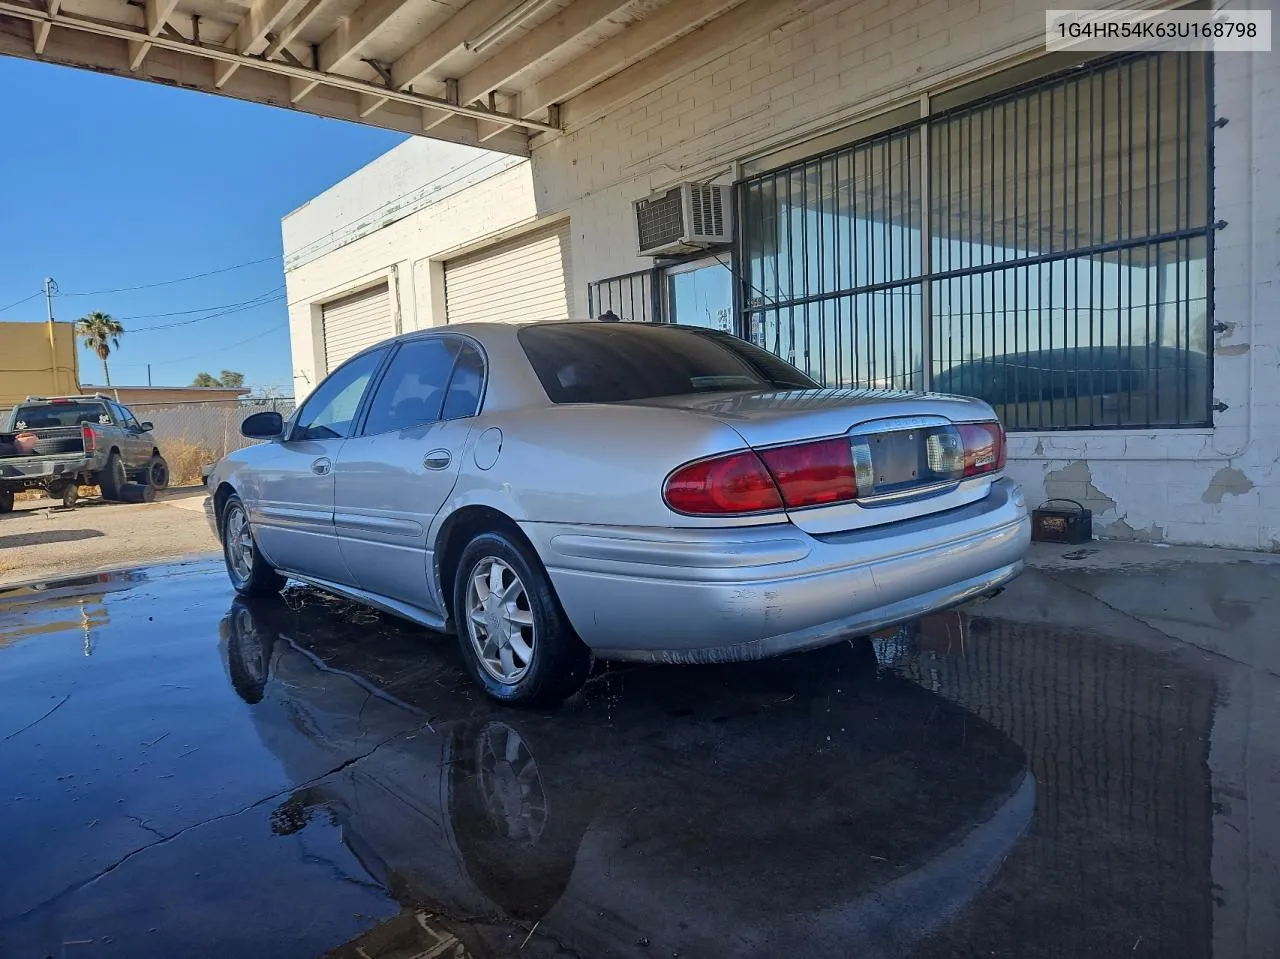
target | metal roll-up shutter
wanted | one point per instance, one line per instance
(529, 278)
(354, 322)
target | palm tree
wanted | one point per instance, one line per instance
(101, 333)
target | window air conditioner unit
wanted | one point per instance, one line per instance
(686, 218)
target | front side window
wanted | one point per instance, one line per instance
(616, 362)
(330, 411)
(127, 419)
(412, 393)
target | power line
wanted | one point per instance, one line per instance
(203, 309)
(265, 299)
(5, 309)
(230, 346)
(181, 279)
(201, 319)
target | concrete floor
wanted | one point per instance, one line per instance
(42, 540)
(1086, 765)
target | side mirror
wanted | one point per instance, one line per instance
(267, 425)
(146, 426)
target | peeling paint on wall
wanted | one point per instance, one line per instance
(1228, 481)
(1121, 529)
(1075, 482)
(1234, 349)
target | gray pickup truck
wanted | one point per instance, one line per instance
(59, 443)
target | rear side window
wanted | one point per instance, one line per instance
(466, 386)
(613, 362)
(57, 415)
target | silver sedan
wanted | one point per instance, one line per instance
(557, 491)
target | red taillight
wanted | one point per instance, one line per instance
(737, 483)
(811, 474)
(88, 438)
(983, 447)
(806, 474)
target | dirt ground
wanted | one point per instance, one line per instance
(41, 539)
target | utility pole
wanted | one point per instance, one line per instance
(148, 374)
(51, 287)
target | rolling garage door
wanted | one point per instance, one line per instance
(354, 322)
(529, 278)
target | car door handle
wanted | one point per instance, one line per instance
(437, 460)
(321, 466)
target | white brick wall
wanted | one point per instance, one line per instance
(837, 62)
(832, 64)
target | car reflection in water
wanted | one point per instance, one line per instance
(810, 803)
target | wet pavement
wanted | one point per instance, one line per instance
(188, 774)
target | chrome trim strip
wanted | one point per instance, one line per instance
(896, 424)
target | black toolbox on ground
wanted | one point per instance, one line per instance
(1055, 524)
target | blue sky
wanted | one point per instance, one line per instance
(116, 183)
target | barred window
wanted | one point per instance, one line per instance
(1047, 249)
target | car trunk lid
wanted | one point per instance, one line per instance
(890, 444)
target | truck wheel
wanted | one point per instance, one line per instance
(516, 641)
(112, 478)
(6, 501)
(157, 473)
(69, 493)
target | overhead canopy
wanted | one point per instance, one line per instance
(483, 72)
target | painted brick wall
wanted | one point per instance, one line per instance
(833, 63)
(410, 177)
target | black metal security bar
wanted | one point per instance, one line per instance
(1064, 256)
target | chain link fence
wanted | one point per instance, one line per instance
(192, 435)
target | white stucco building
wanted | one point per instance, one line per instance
(917, 196)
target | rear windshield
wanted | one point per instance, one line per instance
(53, 415)
(616, 362)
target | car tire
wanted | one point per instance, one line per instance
(112, 478)
(521, 650)
(6, 501)
(250, 573)
(248, 653)
(69, 494)
(157, 473)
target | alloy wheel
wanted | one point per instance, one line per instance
(239, 543)
(500, 620)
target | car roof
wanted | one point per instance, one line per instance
(496, 325)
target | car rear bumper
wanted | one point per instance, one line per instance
(721, 595)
